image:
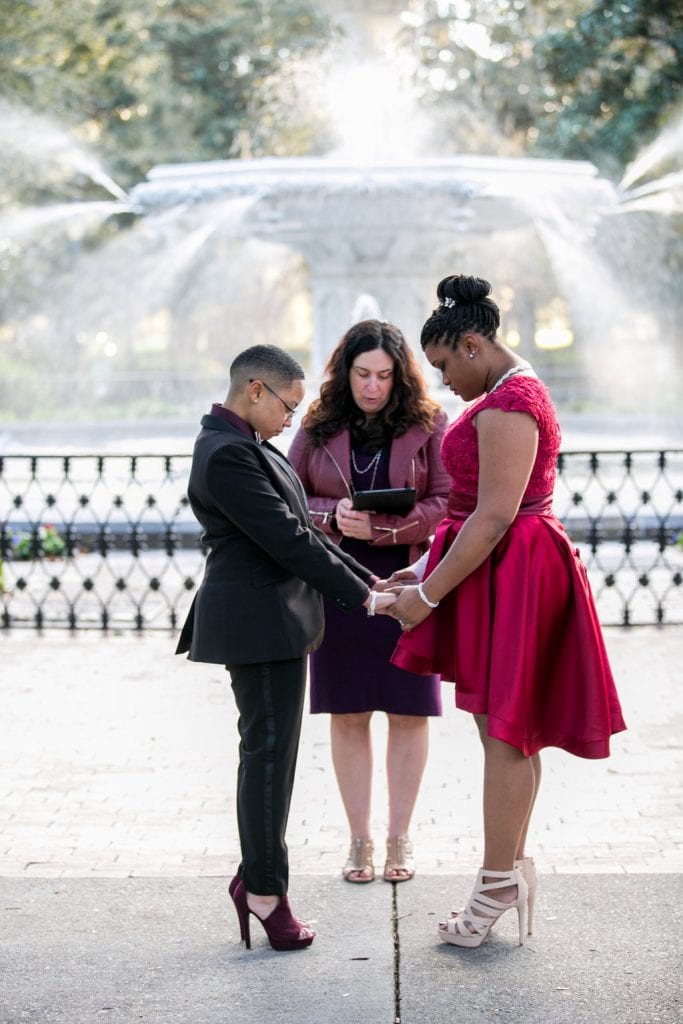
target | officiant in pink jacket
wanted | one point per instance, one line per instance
(373, 427)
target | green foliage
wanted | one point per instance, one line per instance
(583, 79)
(45, 541)
(161, 80)
(150, 81)
(618, 68)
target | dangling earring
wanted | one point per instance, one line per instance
(471, 355)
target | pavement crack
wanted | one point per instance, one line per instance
(397, 954)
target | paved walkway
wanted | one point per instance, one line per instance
(166, 951)
(118, 759)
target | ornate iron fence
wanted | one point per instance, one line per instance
(109, 542)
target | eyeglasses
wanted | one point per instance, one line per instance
(291, 410)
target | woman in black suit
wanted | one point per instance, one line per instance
(258, 611)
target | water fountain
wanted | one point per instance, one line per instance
(390, 229)
(136, 303)
(128, 309)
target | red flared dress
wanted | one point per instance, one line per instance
(520, 636)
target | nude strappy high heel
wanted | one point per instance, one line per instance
(471, 926)
(528, 868)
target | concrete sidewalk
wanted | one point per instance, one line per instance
(117, 765)
(166, 951)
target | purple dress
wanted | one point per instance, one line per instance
(351, 671)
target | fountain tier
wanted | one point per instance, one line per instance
(390, 230)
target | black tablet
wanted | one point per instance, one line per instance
(397, 501)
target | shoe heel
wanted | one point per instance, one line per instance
(245, 933)
(528, 868)
(239, 898)
(521, 920)
(522, 904)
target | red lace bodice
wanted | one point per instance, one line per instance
(460, 452)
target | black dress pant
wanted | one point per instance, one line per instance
(270, 699)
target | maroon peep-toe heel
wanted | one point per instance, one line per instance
(284, 931)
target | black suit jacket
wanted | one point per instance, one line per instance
(268, 565)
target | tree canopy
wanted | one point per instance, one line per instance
(148, 81)
(587, 79)
(162, 80)
(620, 67)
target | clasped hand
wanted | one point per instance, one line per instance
(408, 608)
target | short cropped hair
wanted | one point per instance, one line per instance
(264, 361)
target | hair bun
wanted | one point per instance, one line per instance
(464, 289)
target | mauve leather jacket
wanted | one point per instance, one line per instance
(415, 461)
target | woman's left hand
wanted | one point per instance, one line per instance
(351, 522)
(409, 608)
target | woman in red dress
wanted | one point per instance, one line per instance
(502, 606)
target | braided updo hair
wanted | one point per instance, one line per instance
(464, 305)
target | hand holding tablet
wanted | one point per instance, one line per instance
(392, 500)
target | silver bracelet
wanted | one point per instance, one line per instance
(432, 604)
(373, 602)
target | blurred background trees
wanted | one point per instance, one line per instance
(150, 81)
(581, 79)
(100, 301)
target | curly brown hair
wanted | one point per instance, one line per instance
(336, 410)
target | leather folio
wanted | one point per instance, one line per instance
(393, 500)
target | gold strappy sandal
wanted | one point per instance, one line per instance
(359, 867)
(400, 863)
